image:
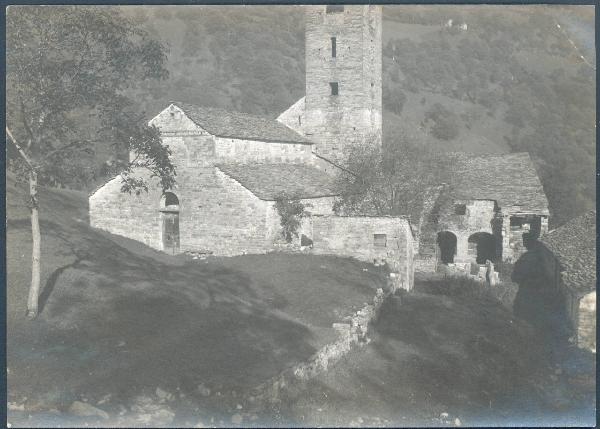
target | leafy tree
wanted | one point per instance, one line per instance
(291, 211)
(392, 180)
(67, 70)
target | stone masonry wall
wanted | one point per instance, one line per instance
(245, 151)
(355, 114)
(294, 117)
(216, 213)
(477, 218)
(354, 237)
(133, 216)
(480, 216)
(586, 331)
(513, 246)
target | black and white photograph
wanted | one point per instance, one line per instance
(287, 215)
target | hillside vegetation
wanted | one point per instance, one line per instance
(510, 81)
(513, 80)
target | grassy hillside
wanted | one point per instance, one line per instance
(474, 361)
(122, 319)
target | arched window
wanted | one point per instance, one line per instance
(169, 202)
(482, 246)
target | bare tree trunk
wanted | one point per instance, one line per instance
(34, 289)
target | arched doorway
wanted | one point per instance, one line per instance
(483, 246)
(169, 214)
(446, 241)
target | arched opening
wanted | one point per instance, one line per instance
(169, 202)
(446, 241)
(169, 208)
(482, 247)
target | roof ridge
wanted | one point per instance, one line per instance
(222, 109)
(221, 122)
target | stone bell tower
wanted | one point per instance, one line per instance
(343, 103)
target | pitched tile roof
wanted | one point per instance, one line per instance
(224, 123)
(268, 181)
(574, 245)
(510, 179)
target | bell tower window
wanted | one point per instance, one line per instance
(334, 88)
(333, 47)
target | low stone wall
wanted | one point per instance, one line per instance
(351, 334)
(425, 264)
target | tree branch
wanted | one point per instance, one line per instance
(21, 151)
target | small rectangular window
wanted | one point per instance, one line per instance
(333, 47)
(334, 8)
(460, 209)
(380, 240)
(334, 88)
(516, 221)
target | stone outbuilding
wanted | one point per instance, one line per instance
(568, 260)
(493, 204)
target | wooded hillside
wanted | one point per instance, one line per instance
(515, 78)
(512, 81)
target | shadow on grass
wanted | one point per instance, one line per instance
(122, 319)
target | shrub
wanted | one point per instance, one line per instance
(305, 241)
(464, 287)
(291, 211)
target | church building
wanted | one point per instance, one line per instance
(231, 166)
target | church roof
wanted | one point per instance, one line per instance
(268, 181)
(574, 245)
(509, 179)
(225, 123)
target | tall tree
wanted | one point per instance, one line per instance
(68, 69)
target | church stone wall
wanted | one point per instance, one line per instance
(294, 117)
(216, 214)
(354, 115)
(132, 216)
(246, 151)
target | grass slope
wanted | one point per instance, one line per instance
(122, 319)
(436, 357)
